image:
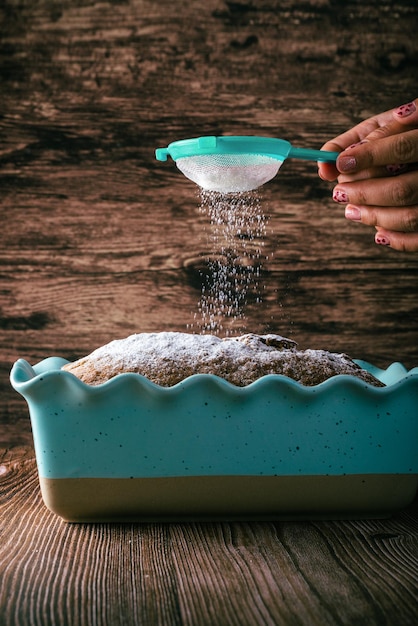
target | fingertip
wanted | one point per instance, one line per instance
(399, 241)
(327, 171)
(320, 173)
(381, 238)
(407, 113)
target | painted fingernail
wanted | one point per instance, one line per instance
(346, 163)
(381, 240)
(340, 196)
(353, 213)
(396, 169)
(406, 109)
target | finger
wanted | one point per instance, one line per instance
(377, 172)
(390, 218)
(352, 137)
(398, 191)
(404, 242)
(328, 171)
(403, 118)
(388, 123)
(358, 133)
(397, 149)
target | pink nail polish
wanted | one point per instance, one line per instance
(406, 109)
(340, 196)
(359, 143)
(393, 170)
(381, 240)
(353, 213)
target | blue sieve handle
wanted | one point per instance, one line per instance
(313, 155)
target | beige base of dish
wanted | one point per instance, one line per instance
(230, 498)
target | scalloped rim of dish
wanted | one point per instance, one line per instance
(381, 422)
(24, 374)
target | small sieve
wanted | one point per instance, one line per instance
(231, 164)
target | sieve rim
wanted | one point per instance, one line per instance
(226, 144)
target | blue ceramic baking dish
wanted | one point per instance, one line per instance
(129, 450)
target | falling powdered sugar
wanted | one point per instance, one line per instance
(232, 277)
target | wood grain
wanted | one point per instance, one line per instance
(293, 573)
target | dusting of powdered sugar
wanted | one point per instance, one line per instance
(167, 358)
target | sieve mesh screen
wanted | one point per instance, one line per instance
(229, 173)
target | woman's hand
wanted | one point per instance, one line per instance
(377, 174)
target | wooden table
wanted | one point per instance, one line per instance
(296, 573)
(99, 240)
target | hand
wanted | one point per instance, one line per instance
(377, 174)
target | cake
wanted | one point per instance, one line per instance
(167, 358)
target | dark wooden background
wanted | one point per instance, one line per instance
(99, 240)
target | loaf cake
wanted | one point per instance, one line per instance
(166, 358)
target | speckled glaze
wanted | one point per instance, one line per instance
(129, 427)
